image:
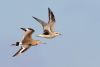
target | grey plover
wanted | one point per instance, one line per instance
(48, 28)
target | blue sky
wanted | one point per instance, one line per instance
(77, 20)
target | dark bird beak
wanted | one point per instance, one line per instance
(60, 34)
(23, 29)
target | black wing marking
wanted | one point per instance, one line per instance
(17, 44)
(17, 52)
(46, 32)
(21, 50)
(23, 29)
(51, 15)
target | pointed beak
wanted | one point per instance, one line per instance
(43, 43)
(60, 34)
(23, 29)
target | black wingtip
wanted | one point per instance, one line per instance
(23, 29)
(51, 15)
(33, 16)
(49, 9)
(14, 55)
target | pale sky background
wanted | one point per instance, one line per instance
(77, 20)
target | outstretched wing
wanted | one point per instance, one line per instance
(23, 29)
(21, 50)
(28, 35)
(51, 16)
(18, 52)
(40, 21)
(52, 20)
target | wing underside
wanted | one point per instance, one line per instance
(21, 50)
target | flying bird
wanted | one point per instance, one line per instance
(48, 28)
(27, 41)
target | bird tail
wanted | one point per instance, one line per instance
(17, 44)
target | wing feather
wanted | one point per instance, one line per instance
(40, 21)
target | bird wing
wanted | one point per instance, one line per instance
(40, 21)
(51, 16)
(28, 36)
(44, 25)
(23, 29)
(18, 52)
(52, 20)
(21, 50)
